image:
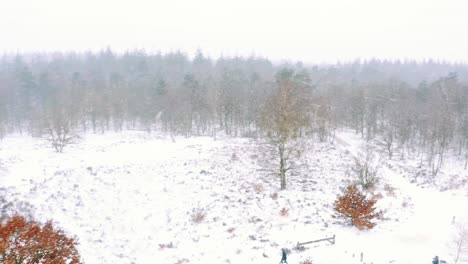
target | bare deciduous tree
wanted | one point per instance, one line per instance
(59, 132)
(460, 244)
(387, 143)
(283, 117)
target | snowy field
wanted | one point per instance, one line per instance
(134, 198)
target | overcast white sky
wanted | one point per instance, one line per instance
(306, 30)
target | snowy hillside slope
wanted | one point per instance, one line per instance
(131, 198)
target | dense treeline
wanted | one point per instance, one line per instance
(409, 107)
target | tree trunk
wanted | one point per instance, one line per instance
(282, 167)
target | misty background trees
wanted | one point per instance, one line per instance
(409, 107)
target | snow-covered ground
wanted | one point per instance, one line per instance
(131, 198)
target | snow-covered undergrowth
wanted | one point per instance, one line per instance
(134, 198)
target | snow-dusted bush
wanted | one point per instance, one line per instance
(258, 187)
(25, 242)
(9, 205)
(390, 190)
(274, 196)
(164, 246)
(198, 215)
(366, 167)
(284, 212)
(354, 206)
(307, 261)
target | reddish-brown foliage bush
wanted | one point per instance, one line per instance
(28, 242)
(355, 206)
(307, 261)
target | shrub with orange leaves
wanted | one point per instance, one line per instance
(355, 206)
(27, 242)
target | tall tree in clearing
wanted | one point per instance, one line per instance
(27, 242)
(284, 116)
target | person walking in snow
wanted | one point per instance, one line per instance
(283, 256)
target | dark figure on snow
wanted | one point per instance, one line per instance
(283, 256)
(435, 260)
